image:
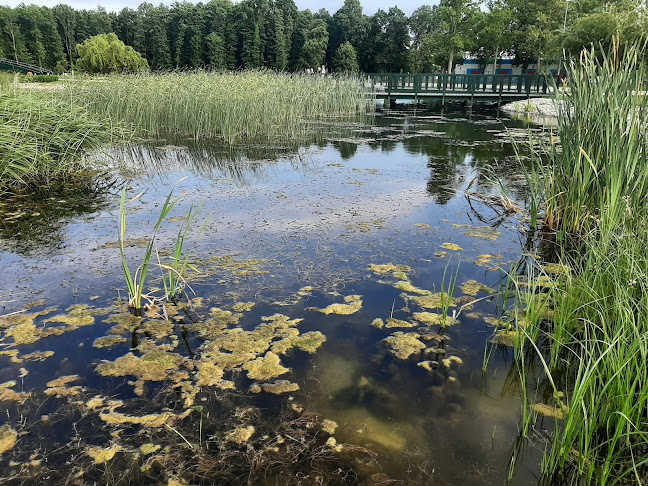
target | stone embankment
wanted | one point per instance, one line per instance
(543, 107)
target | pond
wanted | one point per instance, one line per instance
(311, 350)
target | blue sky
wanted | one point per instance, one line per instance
(369, 7)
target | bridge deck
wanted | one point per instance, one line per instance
(497, 87)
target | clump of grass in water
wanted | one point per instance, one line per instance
(230, 106)
(594, 349)
(174, 272)
(43, 139)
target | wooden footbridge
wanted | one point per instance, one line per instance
(464, 87)
(21, 67)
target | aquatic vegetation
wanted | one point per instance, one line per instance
(240, 435)
(408, 287)
(149, 448)
(447, 362)
(8, 438)
(153, 420)
(389, 268)
(353, 303)
(265, 368)
(259, 104)
(427, 365)
(378, 323)
(391, 323)
(472, 287)
(136, 282)
(242, 306)
(549, 411)
(329, 426)
(403, 345)
(108, 341)
(433, 319)
(451, 246)
(43, 139)
(100, 455)
(433, 301)
(279, 387)
(485, 232)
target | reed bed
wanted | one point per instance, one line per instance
(43, 139)
(228, 106)
(588, 324)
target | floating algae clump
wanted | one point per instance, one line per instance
(403, 345)
(242, 306)
(279, 387)
(154, 365)
(427, 365)
(149, 448)
(549, 411)
(101, 456)
(240, 435)
(24, 333)
(451, 246)
(8, 438)
(485, 232)
(505, 338)
(77, 316)
(329, 426)
(391, 322)
(556, 269)
(389, 267)
(265, 368)
(211, 375)
(308, 342)
(447, 362)
(408, 287)
(57, 387)
(353, 304)
(153, 420)
(433, 301)
(378, 323)
(108, 341)
(432, 319)
(472, 287)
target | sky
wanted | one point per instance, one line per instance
(369, 6)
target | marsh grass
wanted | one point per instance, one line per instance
(598, 175)
(43, 139)
(593, 347)
(228, 106)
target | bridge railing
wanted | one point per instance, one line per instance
(468, 84)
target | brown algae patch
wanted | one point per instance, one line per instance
(353, 303)
(403, 345)
(409, 288)
(8, 438)
(427, 365)
(279, 387)
(433, 319)
(485, 232)
(240, 435)
(77, 316)
(108, 341)
(149, 448)
(451, 247)
(265, 368)
(100, 455)
(472, 287)
(59, 389)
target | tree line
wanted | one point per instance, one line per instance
(276, 34)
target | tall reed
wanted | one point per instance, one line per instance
(43, 139)
(599, 173)
(230, 106)
(592, 339)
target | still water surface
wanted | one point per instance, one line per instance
(291, 230)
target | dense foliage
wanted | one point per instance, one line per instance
(106, 54)
(221, 34)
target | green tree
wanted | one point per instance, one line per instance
(422, 23)
(105, 53)
(345, 59)
(66, 23)
(314, 49)
(491, 38)
(390, 36)
(349, 24)
(12, 42)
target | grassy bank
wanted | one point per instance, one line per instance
(228, 106)
(586, 321)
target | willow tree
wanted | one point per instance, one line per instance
(106, 54)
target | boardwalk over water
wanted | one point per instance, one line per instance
(21, 67)
(466, 87)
